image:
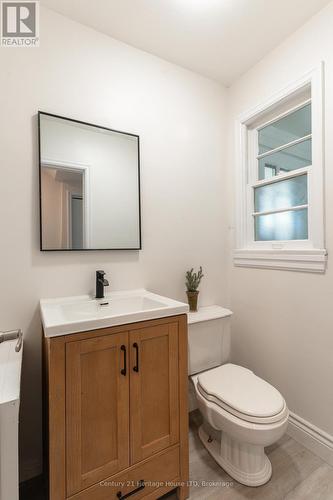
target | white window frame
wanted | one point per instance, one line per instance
(301, 255)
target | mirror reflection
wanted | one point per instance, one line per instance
(89, 186)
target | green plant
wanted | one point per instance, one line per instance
(193, 280)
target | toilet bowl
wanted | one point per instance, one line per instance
(249, 413)
(242, 413)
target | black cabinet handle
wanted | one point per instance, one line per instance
(136, 367)
(123, 371)
(140, 487)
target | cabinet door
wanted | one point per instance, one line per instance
(154, 414)
(97, 410)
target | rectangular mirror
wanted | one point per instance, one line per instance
(89, 186)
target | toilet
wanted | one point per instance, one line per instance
(242, 413)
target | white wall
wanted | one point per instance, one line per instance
(81, 74)
(282, 327)
(283, 322)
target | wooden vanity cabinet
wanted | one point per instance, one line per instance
(117, 411)
(97, 410)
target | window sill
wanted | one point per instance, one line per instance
(312, 261)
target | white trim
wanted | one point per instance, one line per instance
(285, 113)
(276, 99)
(311, 437)
(279, 210)
(50, 163)
(292, 260)
(282, 177)
(64, 163)
(303, 255)
(284, 146)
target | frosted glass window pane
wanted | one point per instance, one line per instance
(291, 225)
(293, 126)
(288, 159)
(282, 194)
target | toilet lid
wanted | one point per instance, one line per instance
(241, 390)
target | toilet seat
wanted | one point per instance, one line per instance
(240, 392)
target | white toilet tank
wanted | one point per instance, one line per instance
(208, 338)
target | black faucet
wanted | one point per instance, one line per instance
(101, 282)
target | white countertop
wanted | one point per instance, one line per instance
(66, 315)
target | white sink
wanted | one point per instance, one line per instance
(78, 314)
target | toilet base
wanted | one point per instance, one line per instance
(246, 463)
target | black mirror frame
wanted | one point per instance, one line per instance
(40, 188)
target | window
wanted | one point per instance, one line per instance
(280, 189)
(280, 173)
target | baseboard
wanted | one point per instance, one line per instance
(30, 469)
(311, 437)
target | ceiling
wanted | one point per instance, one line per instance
(220, 39)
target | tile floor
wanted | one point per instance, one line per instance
(298, 474)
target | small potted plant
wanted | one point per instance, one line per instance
(192, 283)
